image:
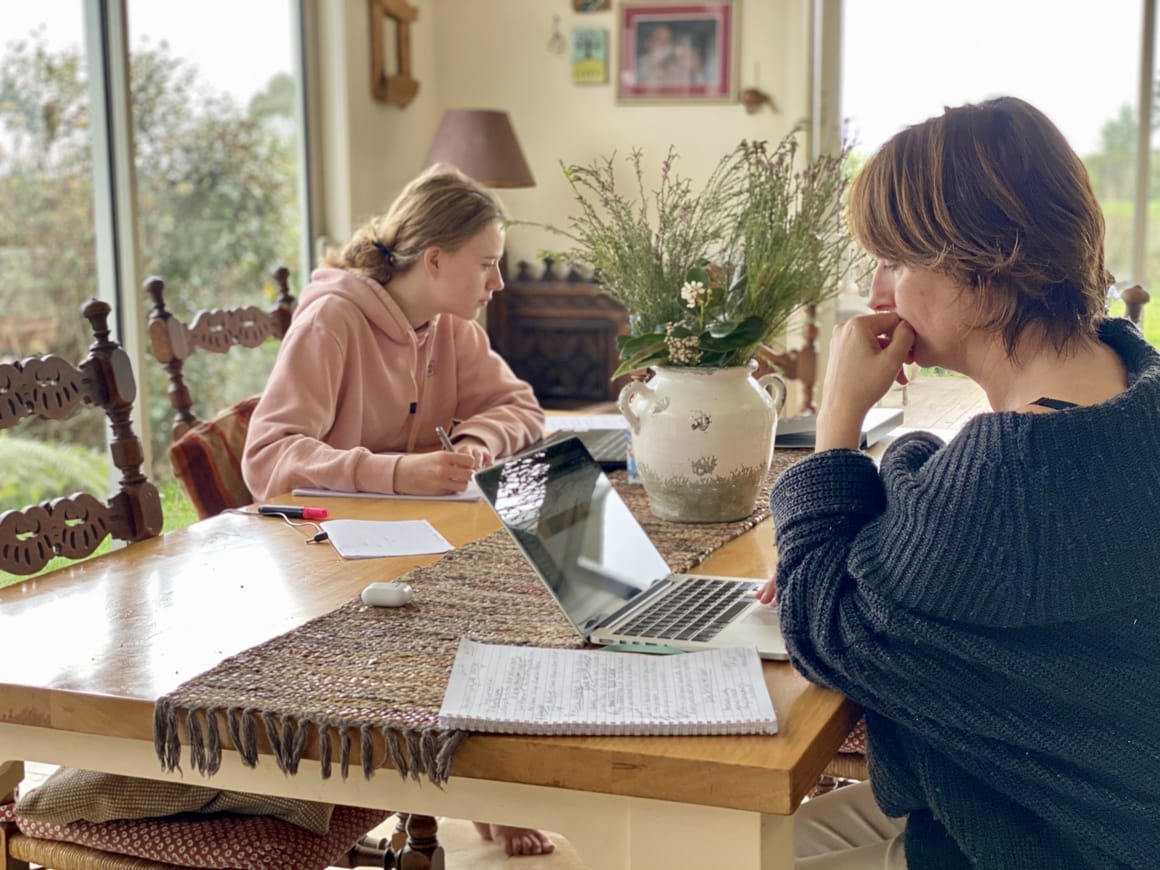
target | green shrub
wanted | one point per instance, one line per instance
(36, 471)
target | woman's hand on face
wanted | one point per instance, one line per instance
(440, 472)
(866, 356)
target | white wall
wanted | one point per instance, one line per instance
(493, 54)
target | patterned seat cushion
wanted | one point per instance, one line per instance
(73, 794)
(855, 742)
(208, 460)
(216, 841)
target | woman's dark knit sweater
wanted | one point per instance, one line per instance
(994, 604)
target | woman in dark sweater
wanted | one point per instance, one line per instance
(993, 603)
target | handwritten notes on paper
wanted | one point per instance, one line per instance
(531, 690)
(369, 539)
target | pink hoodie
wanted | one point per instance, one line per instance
(354, 387)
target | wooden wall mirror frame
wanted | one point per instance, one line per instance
(397, 87)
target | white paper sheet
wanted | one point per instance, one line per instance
(370, 539)
(472, 493)
(584, 422)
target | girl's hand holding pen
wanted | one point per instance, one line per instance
(476, 449)
(437, 473)
(442, 472)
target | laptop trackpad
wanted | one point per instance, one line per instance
(758, 626)
(762, 614)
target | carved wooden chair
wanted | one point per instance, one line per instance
(799, 364)
(215, 330)
(206, 454)
(1135, 298)
(51, 388)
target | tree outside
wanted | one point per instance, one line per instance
(217, 204)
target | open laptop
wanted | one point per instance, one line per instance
(599, 564)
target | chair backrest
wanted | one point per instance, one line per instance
(51, 388)
(206, 455)
(217, 330)
(1135, 298)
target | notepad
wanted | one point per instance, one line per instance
(472, 493)
(532, 690)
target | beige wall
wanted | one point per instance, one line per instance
(493, 54)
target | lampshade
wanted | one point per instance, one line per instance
(482, 144)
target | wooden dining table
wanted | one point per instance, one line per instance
(86, 651)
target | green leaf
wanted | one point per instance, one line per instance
(722, 328)
(697, 274)
(641, 361)
(629, 346)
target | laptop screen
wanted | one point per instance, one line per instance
(578, 534)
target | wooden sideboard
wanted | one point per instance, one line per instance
(559, 335)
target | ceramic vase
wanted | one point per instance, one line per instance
(703, 439)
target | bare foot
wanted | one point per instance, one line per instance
(516, 841)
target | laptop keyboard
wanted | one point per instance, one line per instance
(696, 610)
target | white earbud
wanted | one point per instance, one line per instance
(387, 594)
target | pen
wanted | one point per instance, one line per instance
(443, 439)
(298, 512)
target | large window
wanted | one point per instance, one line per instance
(215, 126)
(214, 98)
(904, 60)
(47, 248)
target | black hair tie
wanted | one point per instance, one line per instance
(387, 253)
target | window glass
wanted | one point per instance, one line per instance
(215, 105)
(904, 60)
(47, 243)
(215, 136)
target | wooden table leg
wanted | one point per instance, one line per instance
(421, 849)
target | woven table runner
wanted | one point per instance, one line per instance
(360, 671)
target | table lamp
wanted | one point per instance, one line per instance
(482, 144)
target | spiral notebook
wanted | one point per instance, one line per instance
(533, 690)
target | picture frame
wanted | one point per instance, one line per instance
(680, 52)
(589, 56)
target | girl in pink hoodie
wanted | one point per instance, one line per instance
(384, 347)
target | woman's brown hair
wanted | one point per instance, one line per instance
(441, 207)
(992, 196)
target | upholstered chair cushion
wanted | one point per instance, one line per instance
(208, 460)
(214, 841)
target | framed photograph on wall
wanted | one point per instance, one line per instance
(678, 52)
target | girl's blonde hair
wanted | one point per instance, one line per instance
(441, 207)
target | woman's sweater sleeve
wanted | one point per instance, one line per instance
(827, 509)
(495, 406)
(818, 506)
(285, 447)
